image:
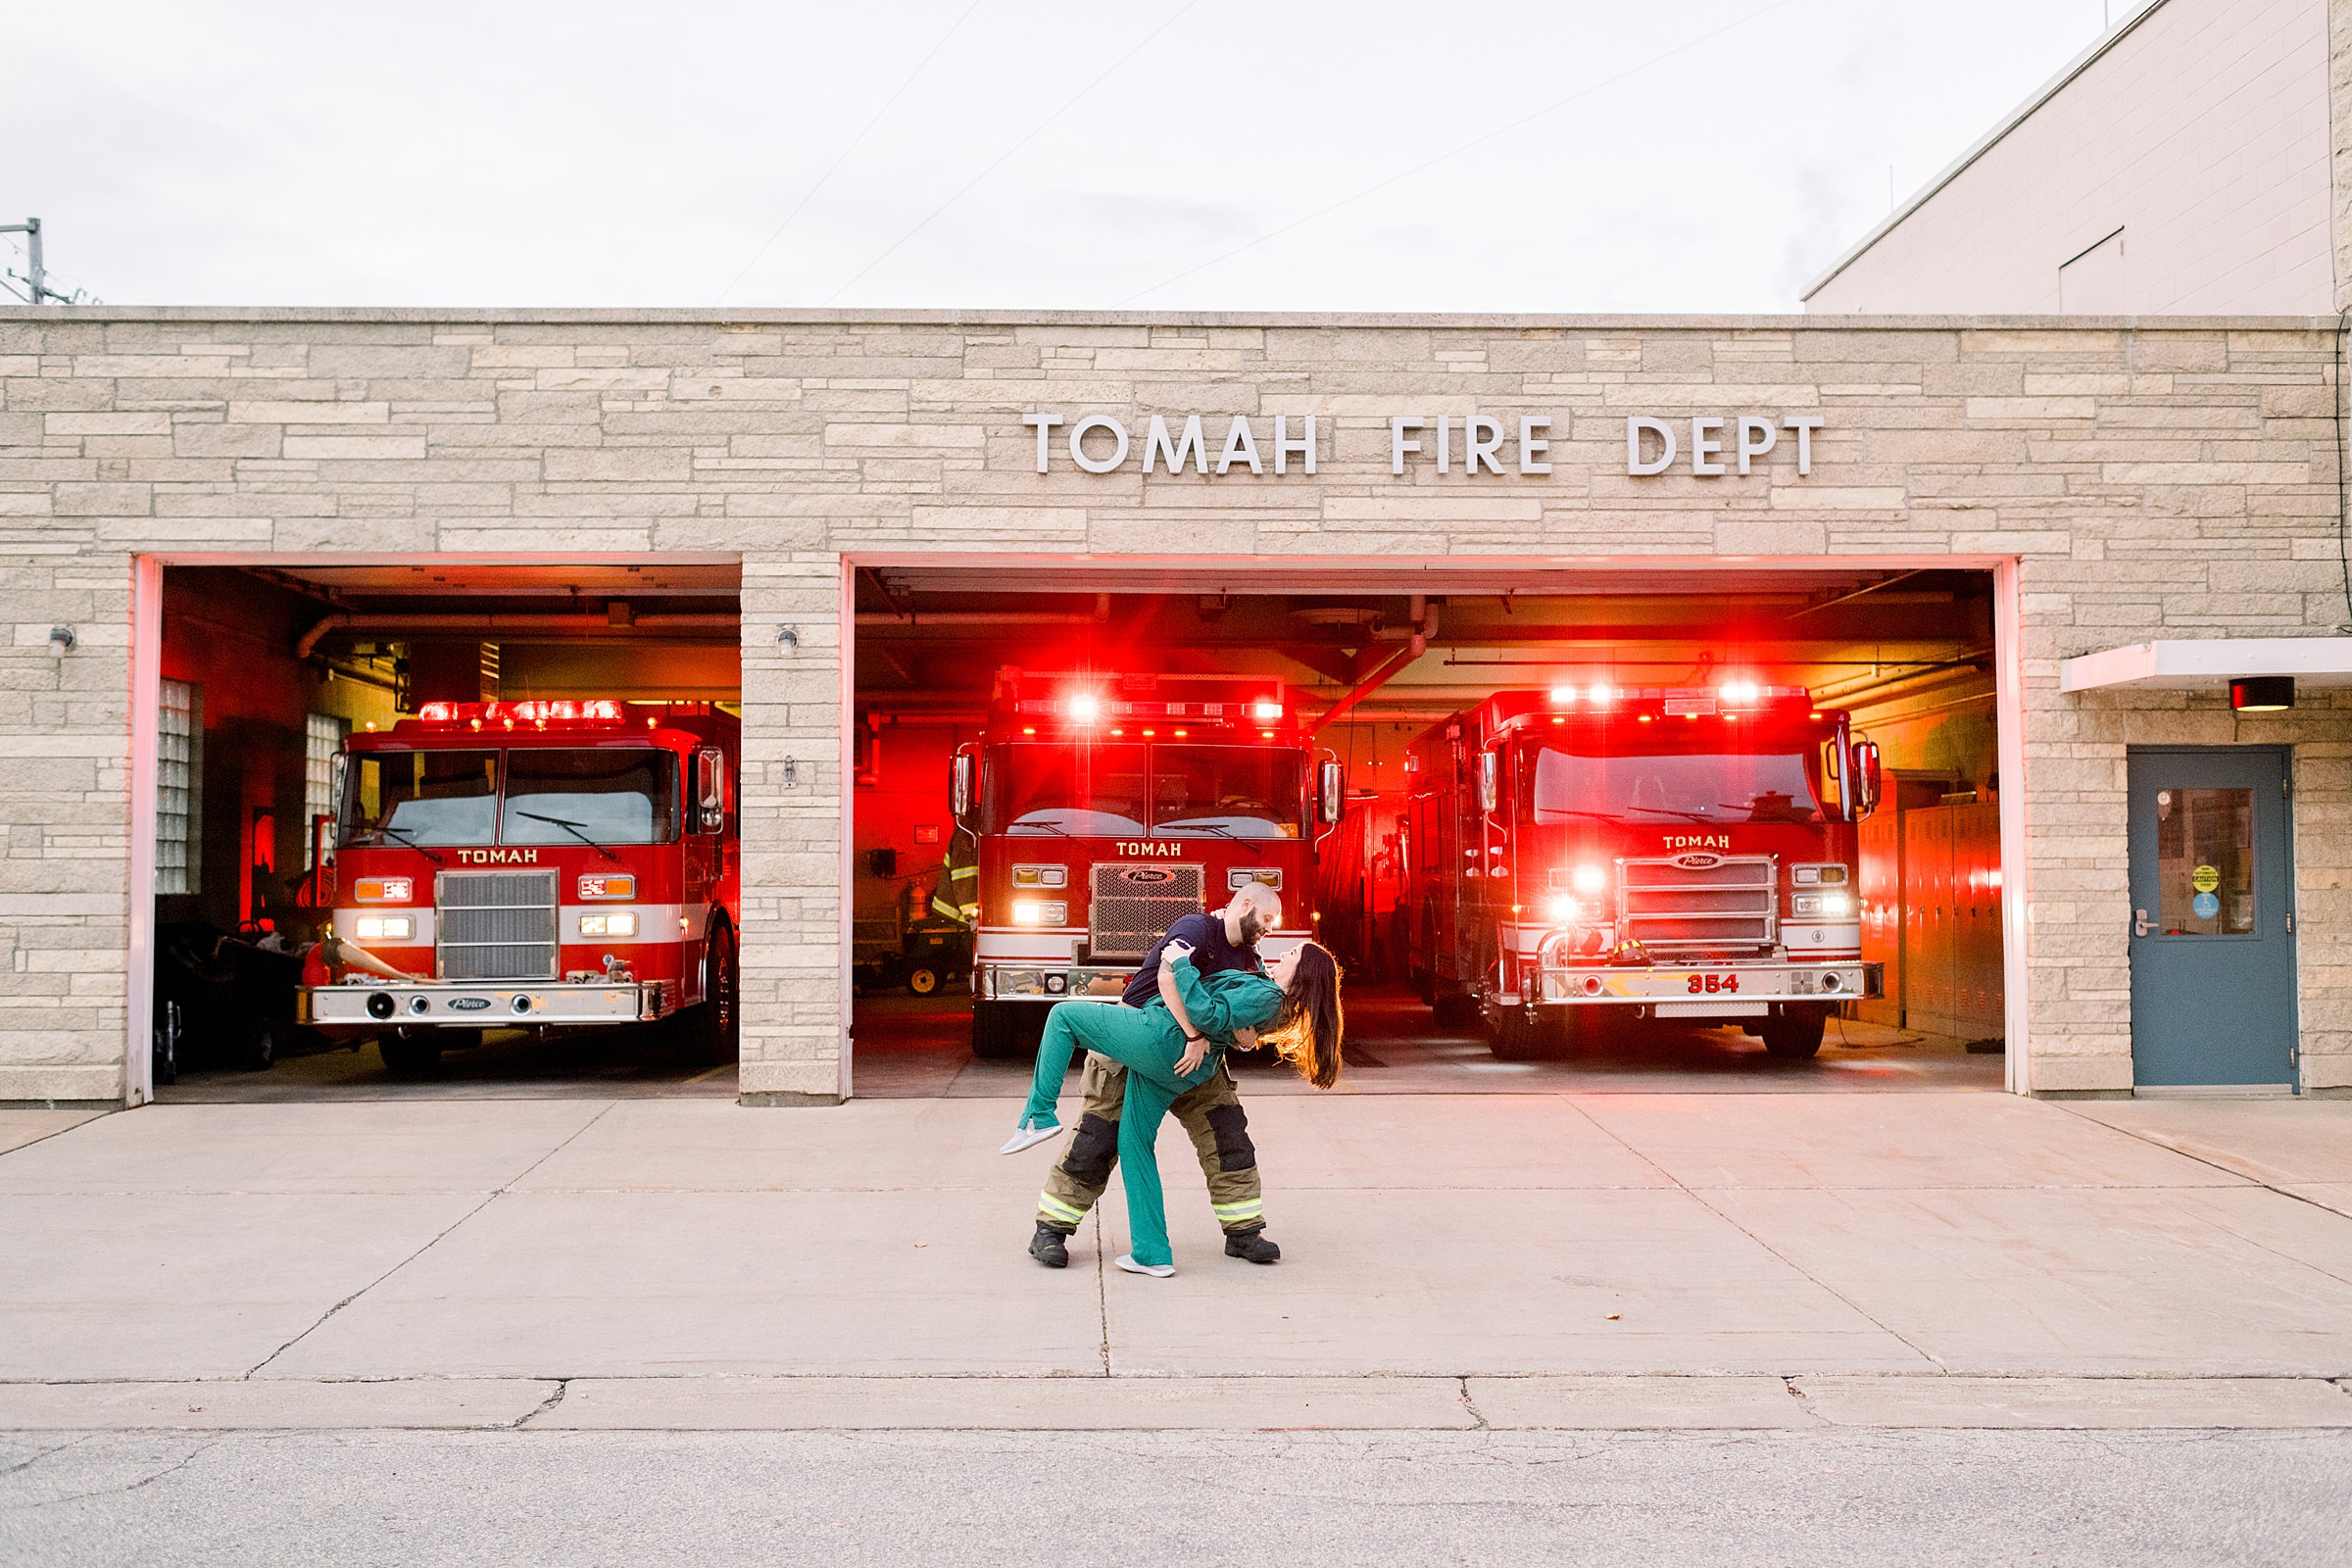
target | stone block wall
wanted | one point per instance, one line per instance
(2173, 477)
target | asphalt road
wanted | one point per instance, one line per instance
(1721, 1499)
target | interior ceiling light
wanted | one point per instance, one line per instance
(2263, 694)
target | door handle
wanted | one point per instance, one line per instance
(2139, 922)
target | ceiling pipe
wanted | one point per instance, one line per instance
(989, 618)
(1389, 669)
(487, 625)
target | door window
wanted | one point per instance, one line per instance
(2205, 863)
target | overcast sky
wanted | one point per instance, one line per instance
(1704, 155)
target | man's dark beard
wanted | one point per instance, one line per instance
(1250, 928)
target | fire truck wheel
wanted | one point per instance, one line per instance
(257, 1047)
(997, 1034)
(1454, 1007)
(1794, 1034)
(713, 1028)
(415, 1056)
(923, 982)
(1515, 1034)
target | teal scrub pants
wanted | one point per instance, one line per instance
(1147, 1043)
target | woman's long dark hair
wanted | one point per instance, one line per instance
(1306, 1031)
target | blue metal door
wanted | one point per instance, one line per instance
(2213, 947)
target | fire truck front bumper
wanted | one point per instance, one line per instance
(504, 1005)
(1677, 987)
(1061, 982)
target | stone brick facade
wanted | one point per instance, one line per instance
(2170, 478)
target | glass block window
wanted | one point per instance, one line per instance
(322, 738)
(179, 786)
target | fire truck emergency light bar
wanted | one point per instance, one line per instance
(597, 711)
(1731, 694)
(1086, 709)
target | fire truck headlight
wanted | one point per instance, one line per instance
(1039, 911)
(384, 928)
(1590, 880)
(1836, 906)
(1561, 909)
(620, 924)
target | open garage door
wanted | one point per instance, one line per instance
(1616, 823)
(446, 827)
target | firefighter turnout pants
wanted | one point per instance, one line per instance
(1213, 1118)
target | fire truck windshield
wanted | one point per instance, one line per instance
(419, 797)
(1036, 790)
(1669, 786)
(594, 794)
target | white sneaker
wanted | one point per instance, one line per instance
(1028, 1138)
(1158, 1271)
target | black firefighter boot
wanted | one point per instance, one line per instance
(1050, 1247)
(1251, 1245)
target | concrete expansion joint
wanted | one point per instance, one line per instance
(1470, 1405)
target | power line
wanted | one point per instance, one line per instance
(1476, 141)
(1034, 133)
(855, 142)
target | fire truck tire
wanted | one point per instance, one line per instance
(713, 1027)
(1794, 1033)
(923, 982)
(257, 1045)
(997, 1034)
(1454, 1006)
(417, 1056)
(1512, 1035)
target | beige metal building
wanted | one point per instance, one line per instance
(2188, 162)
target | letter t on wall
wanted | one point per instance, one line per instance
(1804, 424)
(1043, 422)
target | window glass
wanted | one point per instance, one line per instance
(1065, 791)
(2205, 863)
(1712, 788)
(1225, 792)
(600, 793)
(322, 738)
(419, 797)
(178, 787)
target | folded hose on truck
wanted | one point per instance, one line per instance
(349, 955)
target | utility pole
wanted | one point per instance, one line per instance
(31, 228)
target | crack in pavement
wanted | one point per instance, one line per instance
(491, 1198)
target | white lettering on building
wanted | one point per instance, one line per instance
(1712, 445)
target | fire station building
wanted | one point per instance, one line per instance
(2083, 578)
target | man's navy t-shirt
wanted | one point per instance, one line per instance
(1211, 954)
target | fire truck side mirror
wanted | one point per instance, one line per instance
(1863, 776)
(1490, 780)
(1331, 792)
(959, 784)
(711, 789)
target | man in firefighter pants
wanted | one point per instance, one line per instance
(1211, 1114)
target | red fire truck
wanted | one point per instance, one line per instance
(531, 865)
(1105, 809)
(1593, 853)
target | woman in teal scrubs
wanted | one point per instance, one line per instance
(1295, 1007)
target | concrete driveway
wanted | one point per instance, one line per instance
(1454, 1259)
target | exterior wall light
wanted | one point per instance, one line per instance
(2263, 694)
(60, 640)
(789, 638)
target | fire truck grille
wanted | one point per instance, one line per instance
(1133, 904)
(497, 925)
(1700, 903)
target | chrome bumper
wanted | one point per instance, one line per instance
(1711, 985)
(1060, 982)
(450, 1005)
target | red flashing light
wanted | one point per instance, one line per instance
(596, 711)
(1266, 713)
